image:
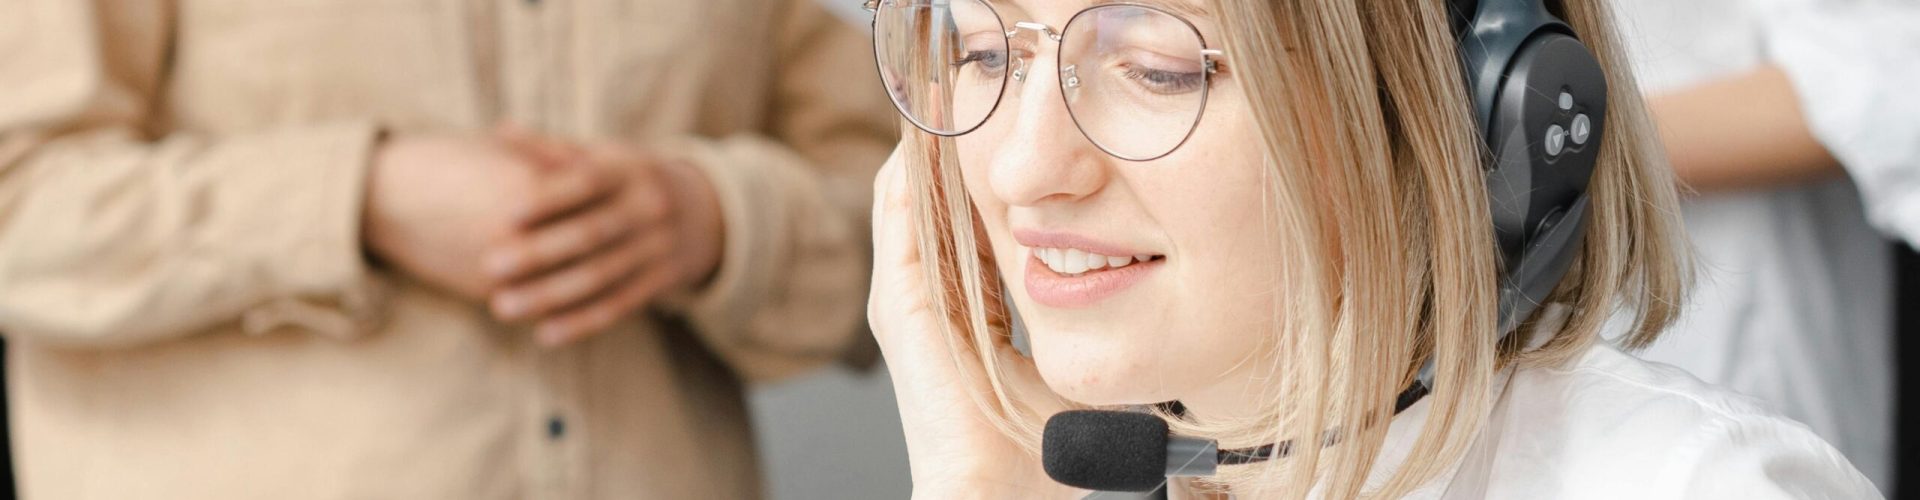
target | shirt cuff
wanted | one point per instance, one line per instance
(312, 229)
(784, 296)
(729, 297)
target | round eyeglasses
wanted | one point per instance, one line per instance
(1135, 77)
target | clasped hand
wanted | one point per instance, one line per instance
(567, 237)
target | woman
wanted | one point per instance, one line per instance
(1275, 219)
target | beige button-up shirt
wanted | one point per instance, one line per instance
(186, 299)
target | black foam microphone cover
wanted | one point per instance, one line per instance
(1106, 450)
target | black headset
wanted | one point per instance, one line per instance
(1540, 99)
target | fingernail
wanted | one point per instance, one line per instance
(509, 306)
(501, 264)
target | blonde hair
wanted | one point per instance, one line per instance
(1386, 240)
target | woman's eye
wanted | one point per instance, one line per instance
(1165, 82)
(988, 61)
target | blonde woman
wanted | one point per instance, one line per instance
(1273, 214)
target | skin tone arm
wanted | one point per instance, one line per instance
(1743, 132)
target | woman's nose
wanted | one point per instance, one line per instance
(1043, 157)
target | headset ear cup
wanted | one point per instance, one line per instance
(1461, 13)
(1546, 130)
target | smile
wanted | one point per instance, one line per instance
(1073, 262)
(1069, 278)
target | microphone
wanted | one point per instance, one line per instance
(1120, 451)
(1131, 451)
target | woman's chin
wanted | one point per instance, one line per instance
(1090, 375)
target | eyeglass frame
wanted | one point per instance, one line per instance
(1207, 55)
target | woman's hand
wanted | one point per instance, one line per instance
(609, 231)
(953, 449)
(433, 202)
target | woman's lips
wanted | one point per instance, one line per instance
(1053, 289)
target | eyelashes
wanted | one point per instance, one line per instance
(1166, 82)
(988, 59)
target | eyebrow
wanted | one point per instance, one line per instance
(1184, 9)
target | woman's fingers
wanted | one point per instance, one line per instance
(546, 152)
(595, 243)
(896, 288)
(561, 241)
(605, 310)
(566, 190)
(580, 281)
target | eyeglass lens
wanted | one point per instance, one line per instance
(1134, 78)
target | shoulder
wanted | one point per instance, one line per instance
(1612, 423)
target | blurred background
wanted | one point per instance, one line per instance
(836, 433)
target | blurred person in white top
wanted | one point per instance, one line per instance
(1767, 107)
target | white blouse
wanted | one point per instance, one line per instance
(1611, 426)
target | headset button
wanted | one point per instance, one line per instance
(1566, 101)
(1556, 140)
(1582, 129)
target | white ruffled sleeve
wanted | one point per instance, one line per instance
(1856, 68)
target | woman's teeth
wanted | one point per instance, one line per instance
(1073, 262)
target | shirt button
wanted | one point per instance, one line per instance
(556, 427)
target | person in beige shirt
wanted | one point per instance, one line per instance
(279, 250)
